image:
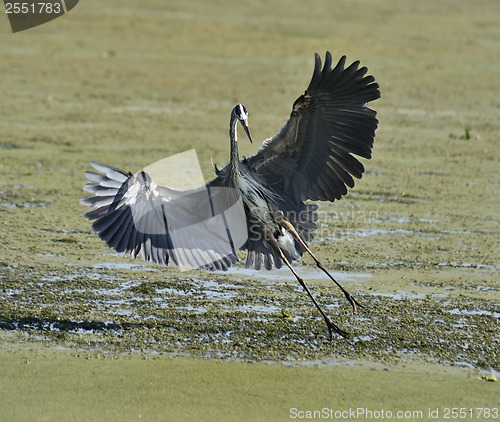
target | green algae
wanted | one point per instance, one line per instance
(43, 384)
(420, 229)
(416, 241)
(146, 310)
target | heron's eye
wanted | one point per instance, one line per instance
(241, 112)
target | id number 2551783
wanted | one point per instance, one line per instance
(32, 8)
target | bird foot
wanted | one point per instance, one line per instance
(354, 303)
(334, 328)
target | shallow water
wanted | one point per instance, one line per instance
(129, 307)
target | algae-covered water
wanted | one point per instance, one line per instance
(416, 241)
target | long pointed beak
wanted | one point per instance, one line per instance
(247, 130)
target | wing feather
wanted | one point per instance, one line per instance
(135, 215)
(328, 124)
(312, 157)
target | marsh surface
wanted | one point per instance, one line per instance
(416, 241)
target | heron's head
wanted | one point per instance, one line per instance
(241, 113)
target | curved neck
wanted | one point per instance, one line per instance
(234, 158)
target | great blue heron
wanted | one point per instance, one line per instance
(309, 159)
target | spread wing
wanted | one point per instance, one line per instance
(311, 156)
(193, 228)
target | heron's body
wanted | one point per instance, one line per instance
(309, 159)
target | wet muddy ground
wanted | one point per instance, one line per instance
(441, 309)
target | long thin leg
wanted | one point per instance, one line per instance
(289, 227)
(329, 323)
